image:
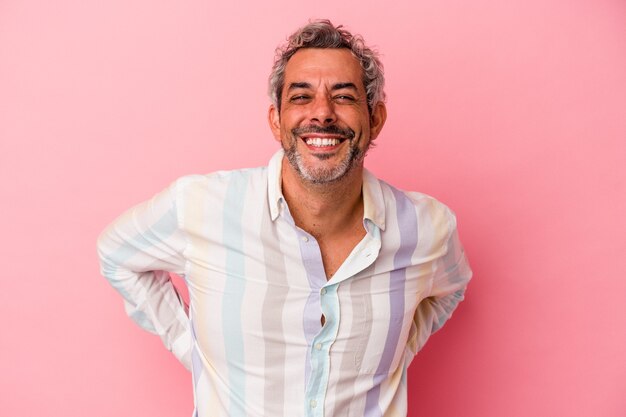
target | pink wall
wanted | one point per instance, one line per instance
(512, 112)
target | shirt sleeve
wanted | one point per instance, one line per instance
(450, 278)
(137, 251)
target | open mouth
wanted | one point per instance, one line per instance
(318, 142)
(325, 138)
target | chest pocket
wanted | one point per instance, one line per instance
(385, 324)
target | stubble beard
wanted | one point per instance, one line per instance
(324, 175)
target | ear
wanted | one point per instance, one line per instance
(273, 118)
(377, 121)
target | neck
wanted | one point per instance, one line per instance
(324, 209)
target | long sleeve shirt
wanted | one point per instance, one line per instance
(252, 334)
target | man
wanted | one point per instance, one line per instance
(312, 284)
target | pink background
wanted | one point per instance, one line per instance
(512, 112)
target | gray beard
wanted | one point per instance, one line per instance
(323, 175)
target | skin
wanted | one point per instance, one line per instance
(324, 97)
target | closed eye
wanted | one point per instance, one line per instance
(299, 98)
(344, 98)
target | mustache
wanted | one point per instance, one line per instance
(331, 130)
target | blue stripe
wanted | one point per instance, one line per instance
(160, 231)
(320, 363)
(234, 287)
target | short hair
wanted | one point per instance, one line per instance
(323, 34)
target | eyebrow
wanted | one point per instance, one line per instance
(294, 86)
(341, 86)
(338, 86)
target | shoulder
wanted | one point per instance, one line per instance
(429, 204)
(430, 216)
(219, 179)
(422, 203)
(218, 188)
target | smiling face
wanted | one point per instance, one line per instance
(324, 124)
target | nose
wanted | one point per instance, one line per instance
(323, 111)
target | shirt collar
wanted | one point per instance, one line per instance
(274, 190)
(373, 201)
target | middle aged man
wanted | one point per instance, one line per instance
(312, 284)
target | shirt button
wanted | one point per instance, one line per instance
(318, 346)
(313, 403)
(305, 239)
(323, 291)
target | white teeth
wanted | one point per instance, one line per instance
(322, 142)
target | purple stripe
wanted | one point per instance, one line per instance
(312, 315)
(316, 276)
(196, 368)
(196, 364)
(407, 225)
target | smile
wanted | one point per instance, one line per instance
(322, 142)
(325, 138)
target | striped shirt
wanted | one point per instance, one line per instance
(252, 334)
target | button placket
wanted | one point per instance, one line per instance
(320, 349)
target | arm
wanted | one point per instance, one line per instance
(450, 278)
(135, 252)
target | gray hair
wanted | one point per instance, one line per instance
(323, 34)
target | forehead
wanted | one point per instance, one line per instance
(326, 65)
